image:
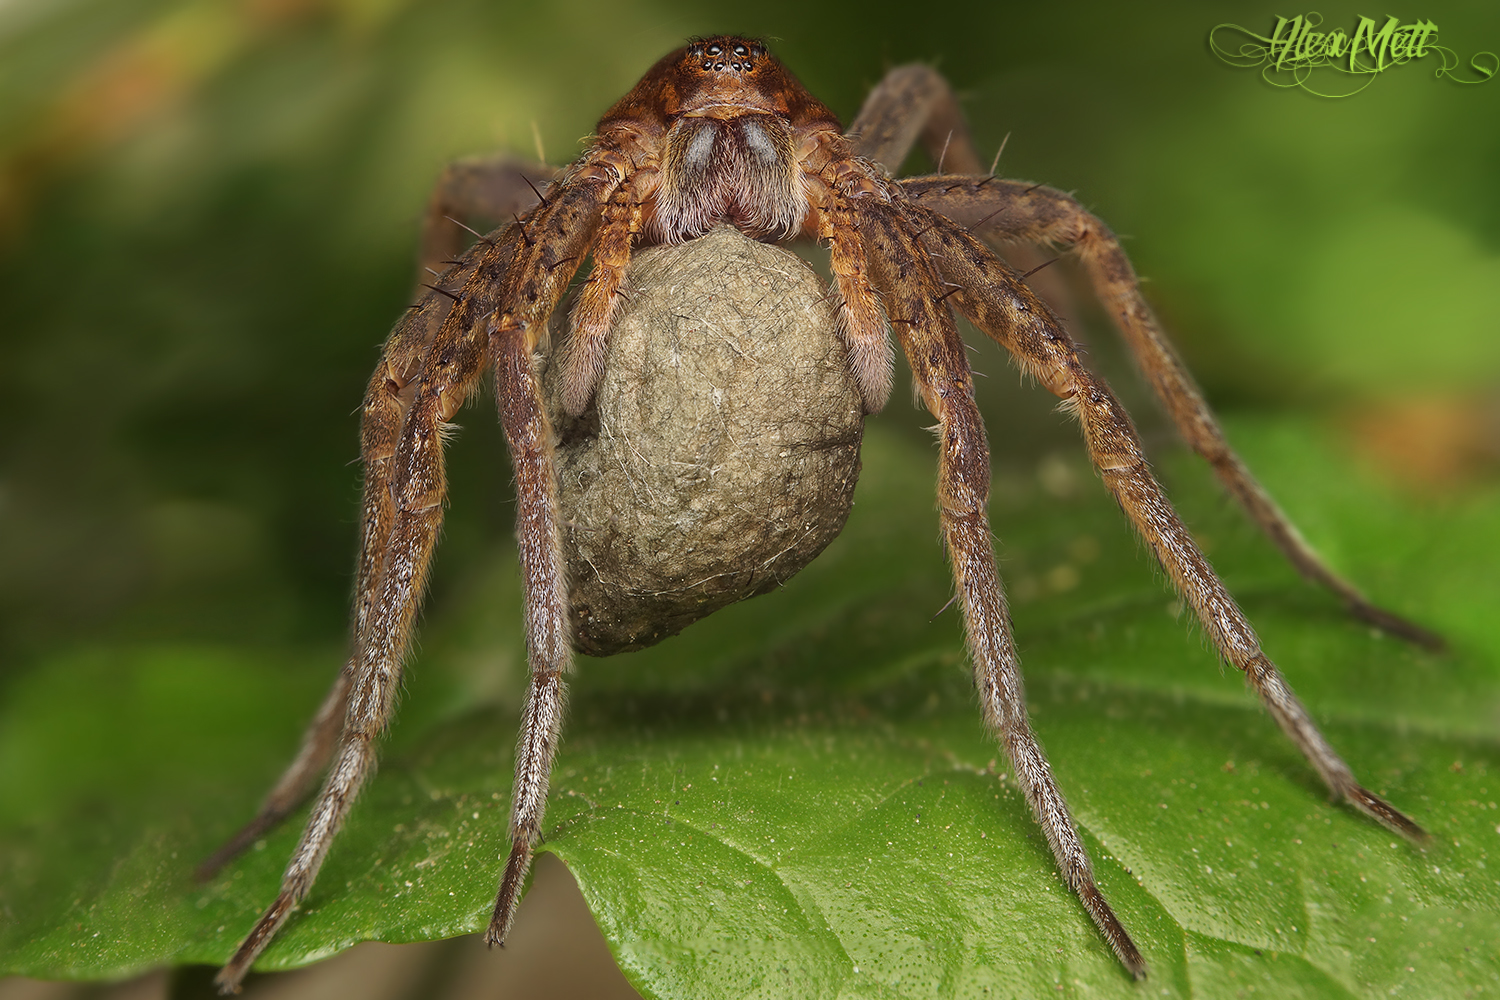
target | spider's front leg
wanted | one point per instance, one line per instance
(1015, 210)
(1001, 305)
(909, 287)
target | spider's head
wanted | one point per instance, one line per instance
(724, 121)
(722, 77)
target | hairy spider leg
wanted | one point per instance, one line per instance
(543, 266)
(940, 369)
(296, 782)
(1014, 210)
(549, 648)
(485, 190)
(862, 323)
(915, 102)
(911, 103)
(478, 275)
(1001, 305)
(403, 450)
(594, 314)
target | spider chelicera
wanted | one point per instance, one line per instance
(719, 132)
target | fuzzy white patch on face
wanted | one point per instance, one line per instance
(741, 171)
(760, 146)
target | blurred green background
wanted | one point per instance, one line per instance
(208, 215)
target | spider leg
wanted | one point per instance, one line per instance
(914, 102)
(404, 491)
(389, 395)
(940, 369)
(862, 323)
(593, 316)
(559, 238)
(418, 385)
(523, 416)
(1012, 210)
(296, 783)
(483, 191)
(1001, 305)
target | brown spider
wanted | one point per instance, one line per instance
(720, 132)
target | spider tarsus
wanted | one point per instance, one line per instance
(237, 844)
(233, 974)
(1387, 815)
(1394, 624)
(509, 896)
(1114, 932)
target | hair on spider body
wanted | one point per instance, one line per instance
(720, 134)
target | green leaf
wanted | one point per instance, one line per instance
(796, 797)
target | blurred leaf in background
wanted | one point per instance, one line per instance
(207, 220)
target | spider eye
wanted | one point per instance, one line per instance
(741, 51)
(715, 49)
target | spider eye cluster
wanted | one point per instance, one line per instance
(733, 54)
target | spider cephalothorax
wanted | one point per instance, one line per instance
(729, 126)
(716, 133)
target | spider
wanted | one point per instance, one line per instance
(720, 132)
